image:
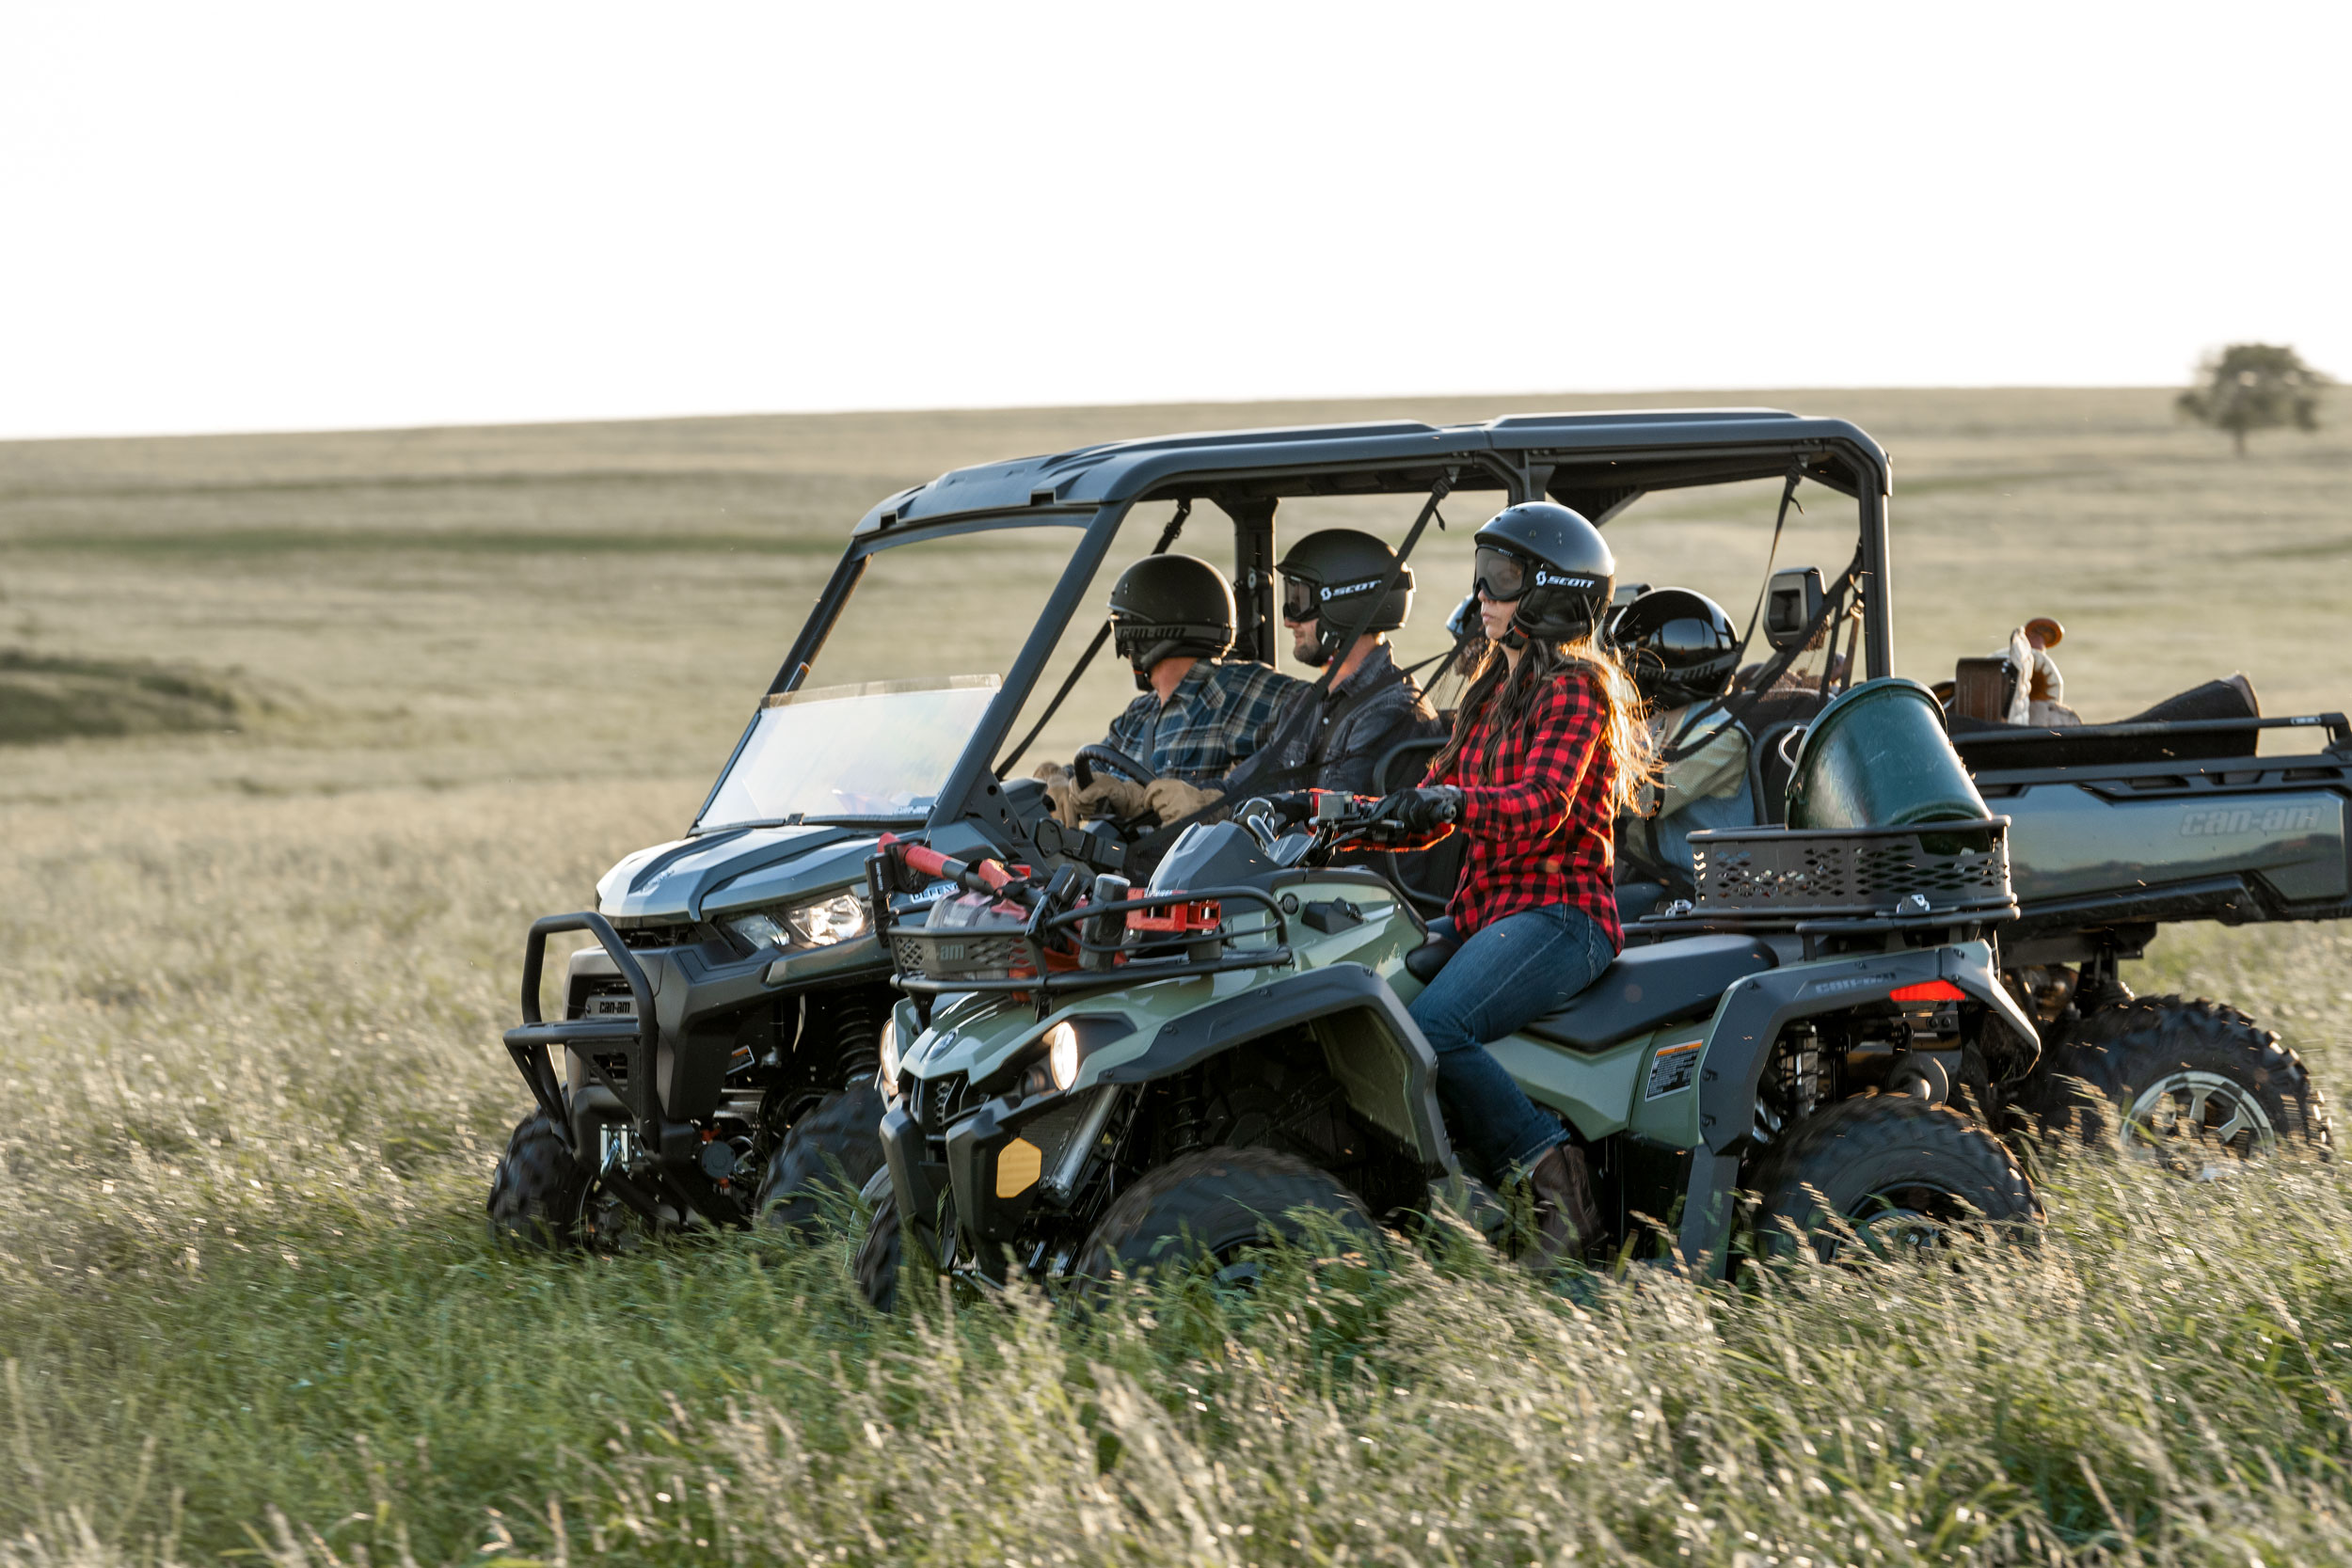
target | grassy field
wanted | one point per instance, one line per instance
(384, 697)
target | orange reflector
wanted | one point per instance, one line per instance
(1018, 1165)
(1929, 991)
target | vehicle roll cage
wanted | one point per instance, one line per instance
(1599, 464)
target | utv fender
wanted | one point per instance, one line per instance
(1376, 1051)
(1740, 1048)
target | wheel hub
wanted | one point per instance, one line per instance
(2201, 1123)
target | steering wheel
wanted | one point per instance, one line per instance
(1082, 766)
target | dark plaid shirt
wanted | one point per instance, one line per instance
(1535, 809)
(1219, 714)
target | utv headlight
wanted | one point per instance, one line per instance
(826, 921)
(759, 930)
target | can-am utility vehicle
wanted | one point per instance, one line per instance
(714, 1052)
(714, 1049)
(1088, 1077)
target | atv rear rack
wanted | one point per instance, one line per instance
(1846, 881)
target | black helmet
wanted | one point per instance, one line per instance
(1167, 606)
(1554, 562)
(1328, 575)
(1679, 645)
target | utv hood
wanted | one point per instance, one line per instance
(733, 868)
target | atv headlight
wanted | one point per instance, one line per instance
(1062, 1054)
(826, 921)
(889, 1054)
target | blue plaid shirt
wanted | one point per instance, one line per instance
(1219, 714)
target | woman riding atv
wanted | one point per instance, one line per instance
(1550, 746)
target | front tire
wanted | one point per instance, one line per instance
(1893, 1171)
(836, 1146)
(1209, 1209)
(536, 1192)
(880, 1254)
(2189, 1085)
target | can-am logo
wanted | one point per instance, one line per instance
(2248, 819)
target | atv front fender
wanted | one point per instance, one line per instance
(1371, 1044)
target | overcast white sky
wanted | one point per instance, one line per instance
(236, 216)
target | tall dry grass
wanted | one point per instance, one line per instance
(251, 984)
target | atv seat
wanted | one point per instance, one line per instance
(1651, 986)
(1423, 962)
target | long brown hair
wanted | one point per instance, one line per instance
(1625, 726)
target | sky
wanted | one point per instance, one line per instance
(236, 216)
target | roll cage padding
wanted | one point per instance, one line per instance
(1740, 1049)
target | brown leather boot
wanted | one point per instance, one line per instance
(1567, 1218)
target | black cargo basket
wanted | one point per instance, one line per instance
(1926, 874)
(966, 952)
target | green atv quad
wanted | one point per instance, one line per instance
(1082, 1077)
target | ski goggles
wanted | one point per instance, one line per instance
(1498, 575)
(1305, 601)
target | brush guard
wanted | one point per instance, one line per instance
(532, 1042)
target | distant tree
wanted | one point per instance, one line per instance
(2254, 387)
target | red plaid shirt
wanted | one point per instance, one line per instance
(1536, 807)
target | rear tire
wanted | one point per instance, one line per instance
(2189, 1085)
(880, 1254)
(835, 1146)
(1897, 1171)
(1211, 1206)
(537, 1189)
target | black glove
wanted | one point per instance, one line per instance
(1415, 812)
(1292, 806)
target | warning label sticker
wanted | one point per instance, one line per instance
(1673, 1067)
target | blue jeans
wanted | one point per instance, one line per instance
(1513, 971)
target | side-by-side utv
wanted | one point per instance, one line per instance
(714, 1050)
(713, 1055)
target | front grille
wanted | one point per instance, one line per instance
(937, 1102)
(659, 936)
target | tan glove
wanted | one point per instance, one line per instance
(1172, 800)
(1107, 795)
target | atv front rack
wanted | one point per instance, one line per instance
(1051, 955)
(588, 1038)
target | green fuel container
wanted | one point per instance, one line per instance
(1879, 757)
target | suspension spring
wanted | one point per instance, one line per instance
(852, 1026)
(1184, 1115)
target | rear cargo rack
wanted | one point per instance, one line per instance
(1844, 881)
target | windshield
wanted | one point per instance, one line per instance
(875, 750)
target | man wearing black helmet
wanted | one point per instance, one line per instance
(1683, 651)
(1333, 734)
(1201, 714)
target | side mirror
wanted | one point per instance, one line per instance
(1791, 603)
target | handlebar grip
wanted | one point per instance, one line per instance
(929, 862)
(994, 873)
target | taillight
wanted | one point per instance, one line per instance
(1929, 991)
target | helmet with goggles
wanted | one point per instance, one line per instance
(1329, 577)
(1168, 606)
(1551, 564)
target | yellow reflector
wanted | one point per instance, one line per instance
(1018, 1168)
